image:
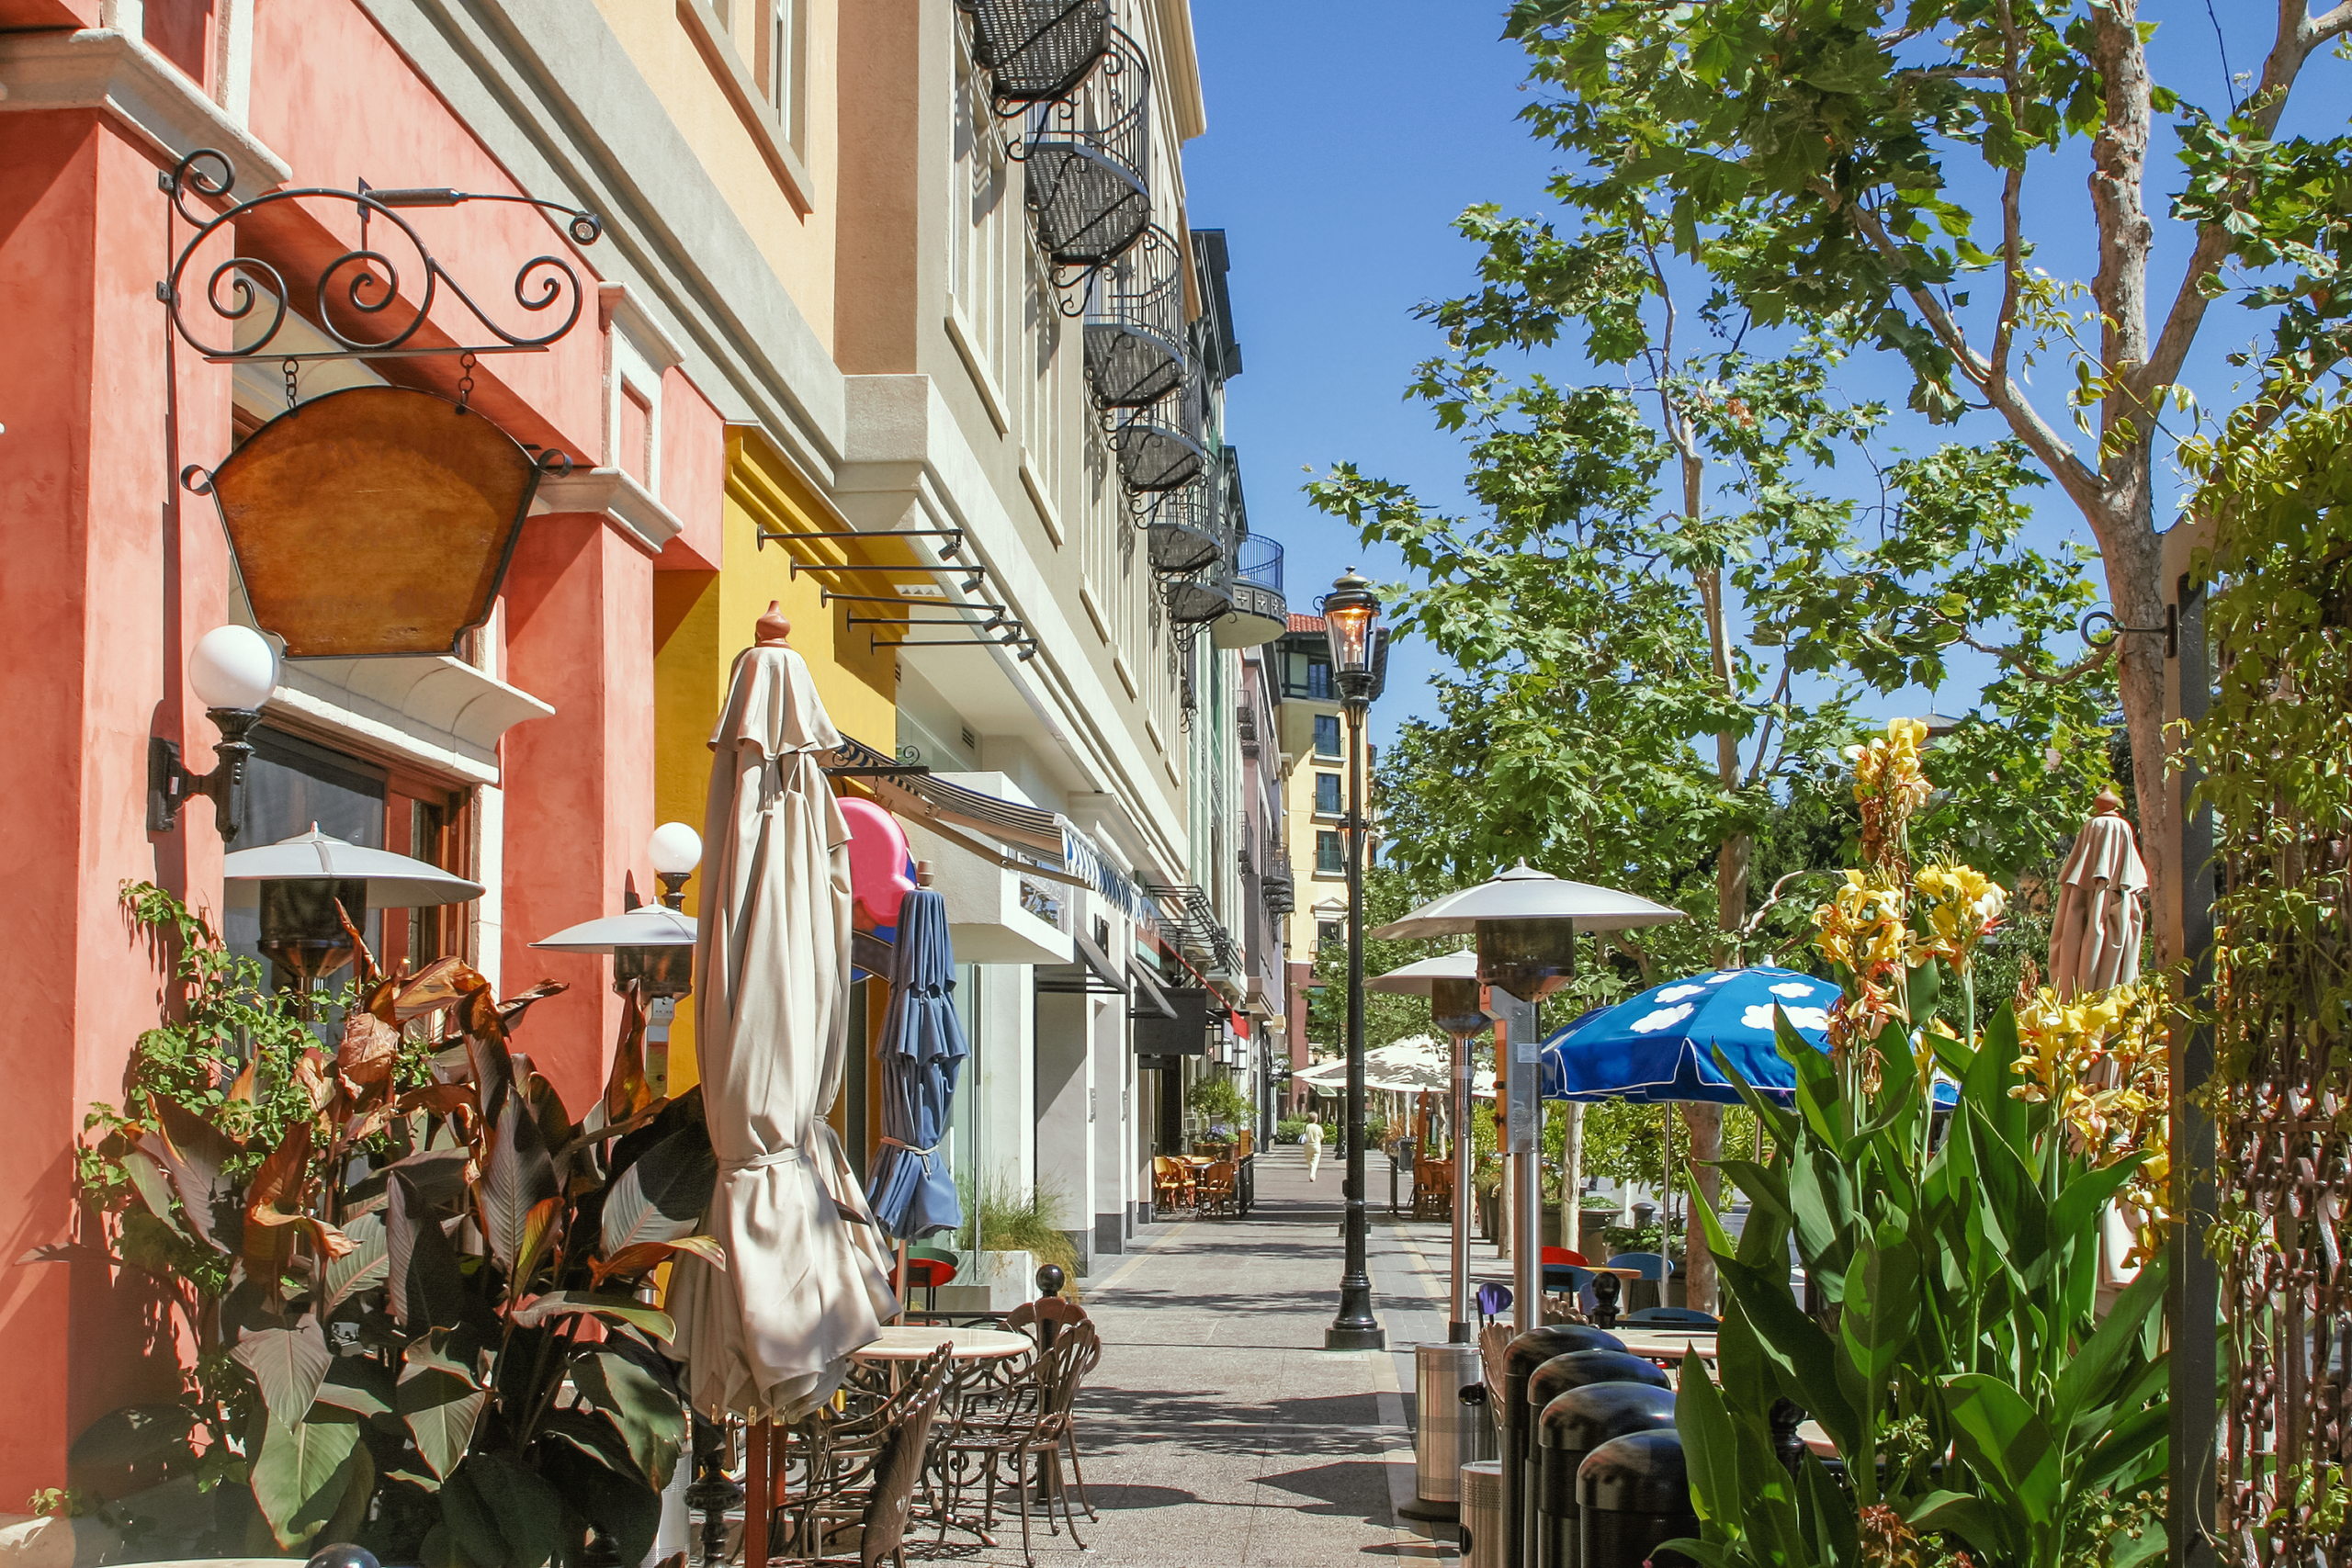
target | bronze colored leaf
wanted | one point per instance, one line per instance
(517, 1176)
(363, 963)
(314, 1083)
(443, 983)
(646, 1255)
(536, 1231)
(241, 1091)
(439, 1099)
(511, 1010)
(627, 1091)
(369, 1048)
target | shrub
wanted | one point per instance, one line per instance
(1000, 1216)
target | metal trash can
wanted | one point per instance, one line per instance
(1526, 1353)
(1482, 1514)
(1568, 1428)
(1447, 1435)
(1578, 1369)
(1632, 1493)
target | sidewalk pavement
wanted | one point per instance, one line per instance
(1217, 1432)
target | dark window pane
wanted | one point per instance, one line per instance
(1329, 855)
(1326, 734)
(1326, 793)
(1318, 679)
(289, 785)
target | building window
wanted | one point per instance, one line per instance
(1329, 854)
(1327, 933)
(1318, 679)
(1326, 736)
(781, 77)
(1327, 794)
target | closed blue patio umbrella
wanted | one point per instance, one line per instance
(923, 1050)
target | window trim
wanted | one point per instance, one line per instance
(752, 106)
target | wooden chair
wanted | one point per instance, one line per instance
(1433, 1189)
(1217, 1194)
(1172, 1183)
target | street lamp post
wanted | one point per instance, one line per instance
(1349, 611)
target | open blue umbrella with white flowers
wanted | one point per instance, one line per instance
(1660, 1046)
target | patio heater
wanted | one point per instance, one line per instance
(1525, 921)
(1349, 611)
(298, 883)
(1444, 1438)
(652, 944)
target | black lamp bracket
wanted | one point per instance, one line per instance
(170, 786)
(2109, 629)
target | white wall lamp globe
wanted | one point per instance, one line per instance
(675, 850)
(232, 671)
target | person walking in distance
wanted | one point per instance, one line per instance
(1312, 1141)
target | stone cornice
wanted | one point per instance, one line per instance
(103, 69)
(623, 502)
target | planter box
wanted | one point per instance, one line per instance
(991, 1281)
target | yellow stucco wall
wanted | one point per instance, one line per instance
(703, 619)
(668, 52)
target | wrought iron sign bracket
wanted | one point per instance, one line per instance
(364, 282)
(2169, 631)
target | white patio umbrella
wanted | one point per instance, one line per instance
(2095, 938)
(806, 1281)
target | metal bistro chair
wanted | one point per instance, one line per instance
(861, 1470)
(1044, 1320)
(928, 1268)
(1649, 1289)
(1009, 1436)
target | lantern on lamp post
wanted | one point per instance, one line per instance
(1350, 613)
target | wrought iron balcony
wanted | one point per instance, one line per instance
(1182, 533)
(1281, 892)
(1164, 448)
(1135, 325)
(1037, 50)
(1086, 155)
(1200, 599)
(1260, 613)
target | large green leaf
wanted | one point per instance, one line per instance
(286, 1363)
(1965, 1515)
(155, 1190)
(2083, 1384)
(620, 1309)
(441, 1395)
(662, 1194)
(617, 1502)
(358, 1384)
(1880, 1318)
(648, 1414)
(2003, 1438)
(132, 1434)
(363, 1268)
(1710, 1448)
(527, 1511)
(1803, 1360)
(517, 1176)
(302, 1472)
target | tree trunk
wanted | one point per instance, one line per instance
(1572, 1178)
(1705, 1121)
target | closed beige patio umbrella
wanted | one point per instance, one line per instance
(2095, 938)
(806, 1281)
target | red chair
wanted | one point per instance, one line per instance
(924, 1274)
(1564, 1254)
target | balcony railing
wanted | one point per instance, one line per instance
(1182, 533)
(1086, 155)
(1037, 50)
(1163, 447)
(1197, 600)
(1259, 561)
(1135, 325)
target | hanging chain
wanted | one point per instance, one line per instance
(293, 392)
(465, 380)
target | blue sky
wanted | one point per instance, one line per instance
(1343, 139)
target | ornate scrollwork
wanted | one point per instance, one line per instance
(364, 283)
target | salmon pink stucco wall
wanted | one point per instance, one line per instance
(694, 473)
(309, 61)
(579, 803)
(110, 573)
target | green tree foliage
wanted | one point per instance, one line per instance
(1872, 172)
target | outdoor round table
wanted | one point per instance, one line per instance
(1668, 1345)
(912, 1342)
